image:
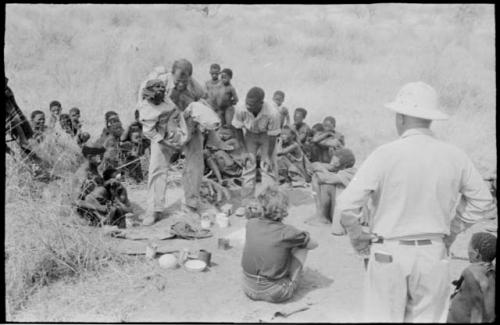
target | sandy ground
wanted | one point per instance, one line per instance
(143, 292)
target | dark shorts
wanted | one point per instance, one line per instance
(260, 288)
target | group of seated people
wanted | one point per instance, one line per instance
(123, 147)
(305, 154)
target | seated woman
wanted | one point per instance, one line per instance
(274, 253)
(326, 180)
(291, 160)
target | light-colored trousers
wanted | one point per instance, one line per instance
(415, 287)
(193, 169)
(256, 142)
(157, 179)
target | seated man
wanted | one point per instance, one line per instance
(291, 159)
(274, 253)
(474, 298)
(326, 179)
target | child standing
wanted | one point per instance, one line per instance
(278, 99)
(474, 298)
(224, 97)
(274, 253)
(214, 81)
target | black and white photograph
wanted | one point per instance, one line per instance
(250, 163)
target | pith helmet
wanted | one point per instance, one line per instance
(418, 99)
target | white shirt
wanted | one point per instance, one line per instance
(267, 121)
(416, 183)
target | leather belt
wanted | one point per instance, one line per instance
(419, 242)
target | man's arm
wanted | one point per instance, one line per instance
(239, 136)
(352, 200)
(475, 205)
(234, 99)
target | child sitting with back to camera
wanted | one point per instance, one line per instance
(474, 298)
(274, 253)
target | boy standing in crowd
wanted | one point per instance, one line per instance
(278, 99)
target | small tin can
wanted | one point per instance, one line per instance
(223, 243)
(151, 250)
(183, 256)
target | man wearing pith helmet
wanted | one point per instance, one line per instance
(416, 183)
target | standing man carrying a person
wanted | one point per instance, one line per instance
(416, 184)
(153, 109)
(261, 122)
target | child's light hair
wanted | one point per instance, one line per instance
(274, 203)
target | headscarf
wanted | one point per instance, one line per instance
(346, 158)
(148, 92)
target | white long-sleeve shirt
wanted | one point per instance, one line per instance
(416, 184)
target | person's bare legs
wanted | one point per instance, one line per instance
(299, 256)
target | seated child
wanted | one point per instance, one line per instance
(38, 125)
(76, 126)
(312, 150)
(474, 298)
(225, 163)
(278, 99)
(114, 157)
(65, 122)
(274, 253)
(134, 145)
(92, 179)
(223, 98)
(55, 110)
(329, 133)
(118, 192)
(327, 179)
(299, 126)
(291, 159)
(74, 115)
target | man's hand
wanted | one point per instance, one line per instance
(362, 242)
(448, 241)
(170, 144)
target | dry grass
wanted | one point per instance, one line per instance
(44, 240)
